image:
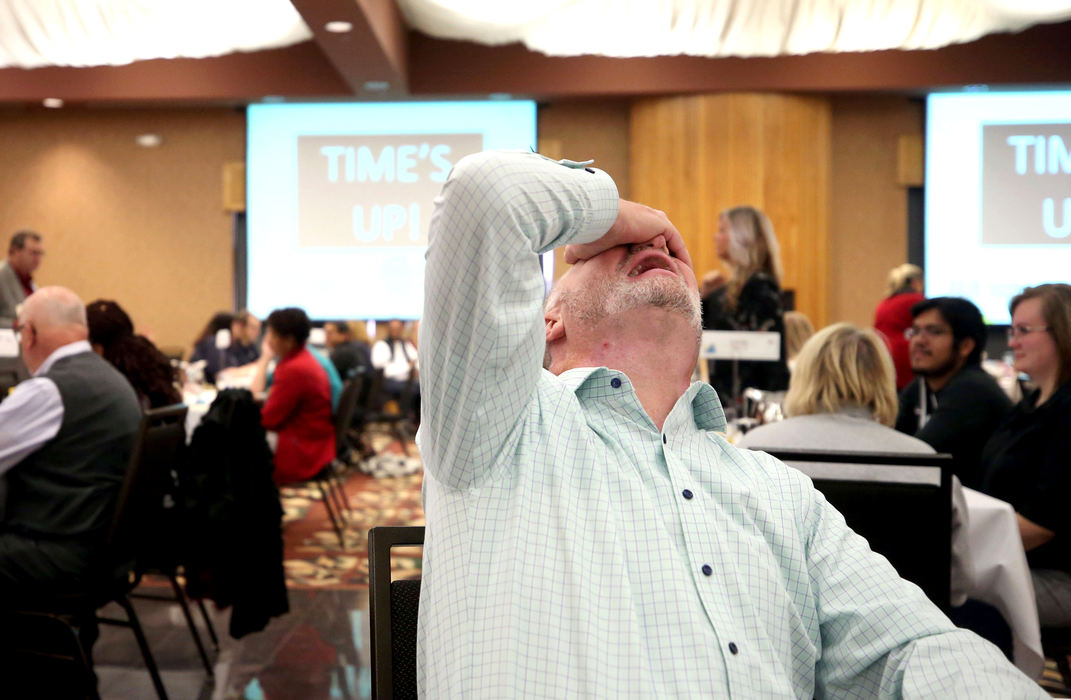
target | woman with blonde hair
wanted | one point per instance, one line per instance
(893, 316)
(841, 396)
(798, 330)
(750, 300)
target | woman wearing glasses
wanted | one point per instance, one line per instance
(1027, 461)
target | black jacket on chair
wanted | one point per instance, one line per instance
(235, 554)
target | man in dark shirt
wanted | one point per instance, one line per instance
(245, 340)
(953, 404)
(349, 355)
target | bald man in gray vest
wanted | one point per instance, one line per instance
(65, 439)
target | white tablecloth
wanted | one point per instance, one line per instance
(1001, 576)
(197, 402)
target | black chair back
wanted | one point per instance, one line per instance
(393, 608)
(347, 409)
(149, 477)
(901, 504)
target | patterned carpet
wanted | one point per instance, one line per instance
(312, 555)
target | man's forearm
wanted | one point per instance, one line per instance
(482, 335)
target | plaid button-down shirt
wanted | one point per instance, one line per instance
(574, 550)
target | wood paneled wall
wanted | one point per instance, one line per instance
(695, 156)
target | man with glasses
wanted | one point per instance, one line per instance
(16, 273)
(953, 404)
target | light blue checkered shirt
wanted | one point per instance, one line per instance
(573, 550)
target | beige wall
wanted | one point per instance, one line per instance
(698, 155)
(583, 129)
(868, 234)
(143, 226)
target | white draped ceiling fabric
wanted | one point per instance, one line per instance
(36, 33)
(625, 28)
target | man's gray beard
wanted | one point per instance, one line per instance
(610, 296)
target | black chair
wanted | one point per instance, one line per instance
(901, 504)
(330, 479)
(375, 411)
(162, 450)
(392, 614)
(118, 572)
(1056, 644)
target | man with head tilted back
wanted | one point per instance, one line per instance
(589, 531)
(65, 439)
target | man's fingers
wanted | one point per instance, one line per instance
(635, 224)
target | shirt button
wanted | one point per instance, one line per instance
(615, 382)
(733, 649)
(664, 439)
(687, 494)
(707, 571)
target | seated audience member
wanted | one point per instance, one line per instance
(245, 340)
(1025, 461)
(798, 330)
(204, 348)
(590, 532)
(349, 355)
(750, 300)
(111, 334)
(893, 317)
(397, 357)
(953, 405)
(842, 396)
(298, 407)
(65, 439)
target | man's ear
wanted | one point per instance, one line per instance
(966, 347)
(555, 328)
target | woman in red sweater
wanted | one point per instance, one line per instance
(893, 317)
(298, 406)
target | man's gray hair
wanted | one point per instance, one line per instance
(52, 307)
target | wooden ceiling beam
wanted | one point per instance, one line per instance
(372, 58)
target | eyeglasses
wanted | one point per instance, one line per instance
(926, 331)
(1020, 330)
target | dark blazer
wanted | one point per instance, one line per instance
(759, 308)
(11, 294)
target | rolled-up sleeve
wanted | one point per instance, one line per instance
(29, 417)
(482, 338)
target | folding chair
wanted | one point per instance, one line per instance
(901, 504)
(1056, 643)
(117, 574)
(392, 614)
(375, 411)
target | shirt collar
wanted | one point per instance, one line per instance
(706, 408)
(78, 346)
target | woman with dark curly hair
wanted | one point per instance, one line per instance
(111, 333)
